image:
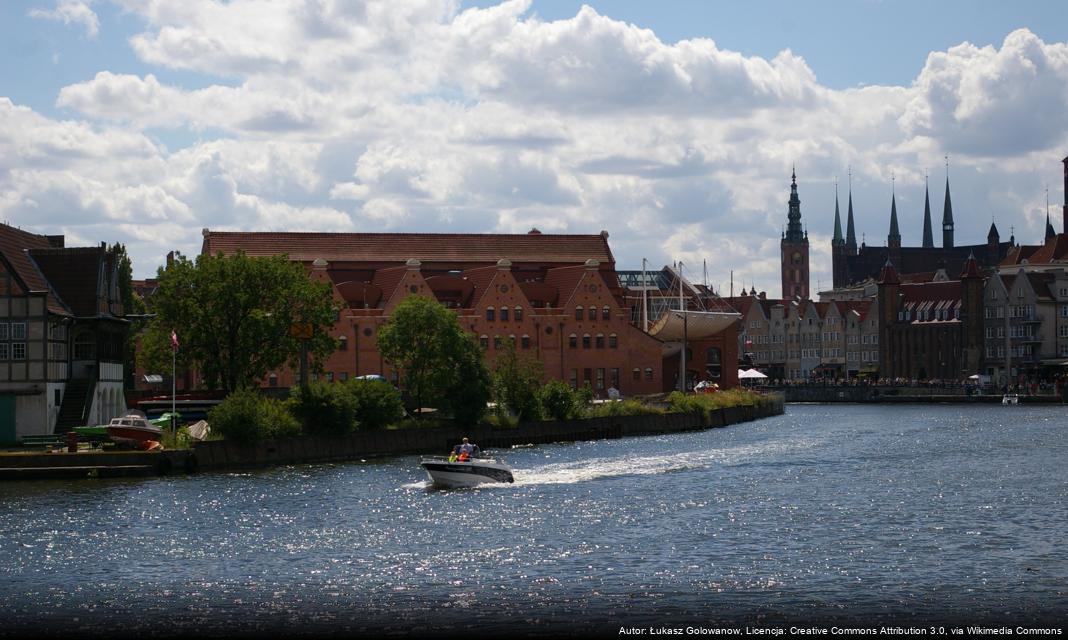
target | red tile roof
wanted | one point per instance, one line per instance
(14, 244)
(460, 248)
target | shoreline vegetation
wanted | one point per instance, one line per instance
(337, 409)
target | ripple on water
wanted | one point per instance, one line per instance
(825, 512)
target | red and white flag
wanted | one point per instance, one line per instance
(174, 340)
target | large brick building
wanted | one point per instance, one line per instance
(557, 297)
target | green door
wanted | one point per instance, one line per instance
(7, 419)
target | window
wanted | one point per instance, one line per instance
(713, 367)
(483, 341)
(600, 378)
(606, 313)
(585, 341)
(593, 313)
(496, 342)
(578, 313)
(587, 376)
(648, 373)
(572, 341)
(84, 346)
(511, 340)
(600, 341)
(342, 343)
(343, 376)
(504, 314)
(4, 331)
(18, 350)
(613, 378)
(613, 341)
(518, 315)
(489, 314)
(636, 373)
(573, 379)
(329, 376)
(18, 330)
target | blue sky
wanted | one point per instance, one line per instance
(673, 125)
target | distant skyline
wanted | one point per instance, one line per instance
(673, 126)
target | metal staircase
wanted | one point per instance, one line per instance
(77, 401)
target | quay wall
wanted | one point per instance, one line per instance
(881, 394)
(221, 454)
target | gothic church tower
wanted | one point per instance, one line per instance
(794, 250)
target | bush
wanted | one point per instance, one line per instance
(246, 416)
(377, 403)
(558, 400)
(706, 403)
(629, 407)
(324, 408)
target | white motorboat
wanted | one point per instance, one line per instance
(469, 473)
(1010, 398)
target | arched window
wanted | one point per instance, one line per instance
(637, 373)
(526, 341)
(613, 341)
(606, 313)
(585, 341)
(511, 340)
(483, 341)
(600, 341)
(518, 315)
(342, 343)
(489, 314)
(504, 314)
(578, 313)
(572, 341)
(648, 373)
(496, 342)
(593, 313)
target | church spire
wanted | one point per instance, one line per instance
(794, 232)
(1050, 232)
(838, 240)
(928, 236)
(851, 234)
(893, 240)
(947, 215)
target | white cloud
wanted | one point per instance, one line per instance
(77, 12)
(412, 115)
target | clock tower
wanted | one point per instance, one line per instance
(794, 250)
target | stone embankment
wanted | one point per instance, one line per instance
(887, 394)
(221, 454)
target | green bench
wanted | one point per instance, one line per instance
(47, 441)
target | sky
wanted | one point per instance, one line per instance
(672, 125)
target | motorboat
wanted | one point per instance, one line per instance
(133, 427)
(1010, 398)
(470, 473)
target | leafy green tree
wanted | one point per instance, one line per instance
(559, 400)
(516, 382)
(440, 364)
(233, 317)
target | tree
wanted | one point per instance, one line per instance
(132, 306)
(234, 315)
(440, 364)
(516, 381)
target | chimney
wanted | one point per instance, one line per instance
(56, 242)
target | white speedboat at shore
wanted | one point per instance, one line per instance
(469, 473)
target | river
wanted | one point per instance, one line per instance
(870, 514)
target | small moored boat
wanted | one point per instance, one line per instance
(469, 473)
(133, 427)
(1010, 398)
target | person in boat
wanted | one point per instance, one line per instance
(465, 450)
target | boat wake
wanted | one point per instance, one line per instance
(606, 467)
